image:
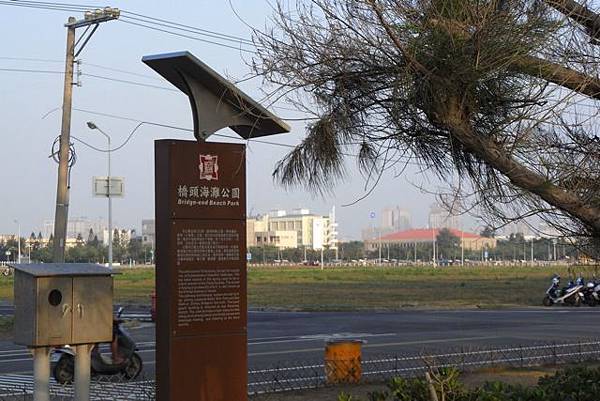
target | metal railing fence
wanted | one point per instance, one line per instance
(311, 374)
(296, 375)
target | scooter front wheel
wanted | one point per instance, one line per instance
(64, 370)
(134, 367)
(547, 301)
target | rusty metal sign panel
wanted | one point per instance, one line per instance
(201, 271)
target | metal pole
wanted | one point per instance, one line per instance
(379, 261)
(434, 254)
(110, 232)
(93, 126)
(41, 374)
(462, 248)
(321, 257)
(532, 252)
(83, 366)
(62, 188)
(415, 253)
(19, 241)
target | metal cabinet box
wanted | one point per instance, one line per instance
(62, 303)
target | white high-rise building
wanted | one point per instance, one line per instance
(77, 226)
(296, 229)
(395, 219)
(441, 217)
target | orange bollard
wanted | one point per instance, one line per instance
(343, 361)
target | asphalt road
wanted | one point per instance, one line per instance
(276, 338)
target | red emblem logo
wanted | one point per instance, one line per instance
(209, 167)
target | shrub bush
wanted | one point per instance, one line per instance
(572, 384)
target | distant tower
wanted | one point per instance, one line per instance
(441, 217)
(388, 218)
(402, 220)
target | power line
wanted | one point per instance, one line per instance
(31, 71)
(43, 6)
(39, 60)
(125, 81)
(136, 74)
(187, 36)
(175, 127)
(100, 66)
(189, 29)
(237, 38)
(55, 4)
(145, 22)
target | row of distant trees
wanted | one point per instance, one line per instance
(448, 247)
(89, 249)
(92, 250)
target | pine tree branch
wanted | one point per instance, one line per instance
(580, 14)
(494, 155)
(559, 75)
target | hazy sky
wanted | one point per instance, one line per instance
(28, 176)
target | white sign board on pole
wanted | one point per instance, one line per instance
(101, 187)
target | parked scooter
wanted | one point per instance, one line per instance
(591, 293)
(129, 367)
(572, 294)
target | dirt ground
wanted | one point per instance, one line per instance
(321, 394)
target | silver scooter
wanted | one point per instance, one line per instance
(129, 368)
(571, 295)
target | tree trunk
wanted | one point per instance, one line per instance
(487, 150)
(579, 13)
(559, 75)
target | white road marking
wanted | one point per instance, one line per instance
(381, 345)
(324, 337)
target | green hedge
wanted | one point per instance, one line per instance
(573, 384)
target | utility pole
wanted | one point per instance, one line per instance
(62, 189)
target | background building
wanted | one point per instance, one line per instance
(78, 226)
(297, 229)
(410, 238)
(442, 217)
(149, 232)
(396, 219)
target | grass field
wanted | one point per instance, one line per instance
(399, 287)
(352, 288)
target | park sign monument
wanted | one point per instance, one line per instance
(201, 323)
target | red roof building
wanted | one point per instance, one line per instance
(470, 241)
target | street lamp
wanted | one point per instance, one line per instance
(93, 126)
(18, 241)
